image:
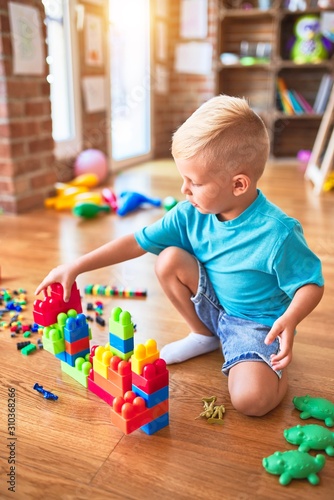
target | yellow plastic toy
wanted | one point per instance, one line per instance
(75, 191)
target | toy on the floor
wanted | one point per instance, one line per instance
(319, 408)
(113, 291)
(131, 200)
(70, 199)
(131, 379)
(46, 394)
(89, 210)
(294, 464)
(329, 183)
(169, 202)
(309, 46)
(213, 413)
(92, 161)
(110, 198)
(311, 437)
(83, 180)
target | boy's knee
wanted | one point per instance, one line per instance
(170, 258)
(252, 403)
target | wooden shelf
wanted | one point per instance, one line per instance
(248, 32)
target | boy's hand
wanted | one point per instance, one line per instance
(285, 331)
(64, 275)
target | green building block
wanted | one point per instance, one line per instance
(120, 324)
(53, 339)
(28, 349)
(80, 371)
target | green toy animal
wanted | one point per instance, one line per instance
(294, 464)
(319, 408)
(311, 437)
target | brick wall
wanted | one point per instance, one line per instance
(26, 144)
(186, 92)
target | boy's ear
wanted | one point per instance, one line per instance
(241, 184)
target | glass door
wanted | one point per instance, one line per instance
(130, 76)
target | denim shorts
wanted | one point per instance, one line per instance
(241, 339)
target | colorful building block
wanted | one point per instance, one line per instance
(123, 355)
(71, 358)
(93, 387)
(53, 339)
(108, 386)
(144, 354)
(45, 311)
(77, 346)
(156, 424)
(120, 323)
(79, 371)
(101, 360)
(154, 377)
(76, 328)
(130, 413)
(119, 373)
(154, 398)
(124, 346)
(28, 349)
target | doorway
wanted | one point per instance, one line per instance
(130, 76)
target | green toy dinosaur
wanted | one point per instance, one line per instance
(294, 464)
(319, 408)
(311, 437)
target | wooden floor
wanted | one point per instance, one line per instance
(68, 449)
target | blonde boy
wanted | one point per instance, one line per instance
(234, 265)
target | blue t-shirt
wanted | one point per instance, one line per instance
(255, 262)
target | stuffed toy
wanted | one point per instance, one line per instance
(309, 45)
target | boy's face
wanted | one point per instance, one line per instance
(209, 193)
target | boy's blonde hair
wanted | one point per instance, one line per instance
(227, 135)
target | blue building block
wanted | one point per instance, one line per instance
(61, 356)
(76, 328)
(156, 425)
(120, 344)
(70, 358)
(154, 398)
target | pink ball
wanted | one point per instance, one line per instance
(91, 161)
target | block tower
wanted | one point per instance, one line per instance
(133, 380)
(65, 334)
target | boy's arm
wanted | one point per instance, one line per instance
(119, 250)
(304, 301)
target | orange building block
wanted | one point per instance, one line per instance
(130, 413)
(120, 374)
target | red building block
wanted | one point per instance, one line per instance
(46, 311)
(130, 413)
(77, 346)
(154, 377)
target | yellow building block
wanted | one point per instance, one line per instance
(144, 354)
(101, 360)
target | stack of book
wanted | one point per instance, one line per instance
(292, 102)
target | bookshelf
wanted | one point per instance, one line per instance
(258, 34)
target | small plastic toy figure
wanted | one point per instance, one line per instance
(46, 394)
(319, 408)
(130, 200)
(311, 437)
(294, 464)
(213, 413)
